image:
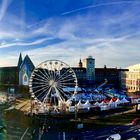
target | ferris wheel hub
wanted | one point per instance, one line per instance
(53, 83)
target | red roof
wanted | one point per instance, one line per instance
(114, 99)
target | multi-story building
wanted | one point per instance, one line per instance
(112, 75)
(89, 64)
(85, 72)
(131, 78)
(88, 75)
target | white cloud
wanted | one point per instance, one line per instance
(101, 4)
(114, 53)
(17, 43)
(3, 8)
(113, 39)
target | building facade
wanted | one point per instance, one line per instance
(131, 79)
(112, 75)
(89, 64)
(86, 73)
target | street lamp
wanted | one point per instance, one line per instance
(75, 106)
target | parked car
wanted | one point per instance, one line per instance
(114, 137)
(135, 121)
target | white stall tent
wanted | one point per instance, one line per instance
(87, 104)
(79, 105)
(104, 107)
(124, 100)
(117, 103)
(102, 103)
(112, 104)
(97, 104)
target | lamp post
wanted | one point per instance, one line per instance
(75, 106)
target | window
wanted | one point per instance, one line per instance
(25, 78)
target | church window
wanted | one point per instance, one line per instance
(25, 78)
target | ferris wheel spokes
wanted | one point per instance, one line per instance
(64, 74)
(45, 76)
(52, 81)
(41, 94)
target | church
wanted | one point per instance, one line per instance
(25, 69)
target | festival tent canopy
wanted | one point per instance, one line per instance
(85, 105)
(68, 89)
(105, 107)
(118, 101)
(106, 101)
(113, 99)
(97, 104)
(124, 100)
(112, 104)
(102, 103)
(80, 105)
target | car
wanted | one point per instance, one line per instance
(135, 121)
(117, 130)
(114, 137)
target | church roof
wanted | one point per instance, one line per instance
(27, 61)
(19, 61)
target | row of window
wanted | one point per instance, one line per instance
(133, 82)
(138, 70)
(133, 75)
(134, 88)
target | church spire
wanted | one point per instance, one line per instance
(80, 64)
(19, 61)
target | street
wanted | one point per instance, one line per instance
(128, 131)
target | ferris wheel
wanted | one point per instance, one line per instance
(53, 81)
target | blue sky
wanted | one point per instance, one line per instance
(108, 30)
